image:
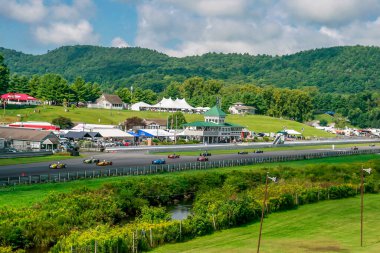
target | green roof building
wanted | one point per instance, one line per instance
(213, 129)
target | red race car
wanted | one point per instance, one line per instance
(202, 159)
(173, 156)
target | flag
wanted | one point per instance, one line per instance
(368, 170)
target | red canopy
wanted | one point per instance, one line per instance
(17, 96)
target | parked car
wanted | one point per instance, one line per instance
(259, 151)
(243, 152)
(173, 156)
(159, 161)
(91, 160)
(11, 150)
(104, 163)
(206, 153)
(202, 159)
(57, 165)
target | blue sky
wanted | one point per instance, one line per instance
(190, 27)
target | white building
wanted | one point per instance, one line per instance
(107, 101)
(213, 129)
(240, 108)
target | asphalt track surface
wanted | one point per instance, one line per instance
(140, 158)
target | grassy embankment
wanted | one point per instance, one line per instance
(242, 148)
(26, 160)
(257, 123)
(328, 226)
(25, 195)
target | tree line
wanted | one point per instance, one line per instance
(348, 69)
(360, 109)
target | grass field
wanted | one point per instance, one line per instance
(24, 160)
(25, 195)
(257, 123)
(234, 151)
(328, 226)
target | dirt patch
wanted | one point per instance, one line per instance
(324, 248)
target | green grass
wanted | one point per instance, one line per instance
(257, 123)
(25, 160)
(328, 226)
(25, 195)
(242, 148)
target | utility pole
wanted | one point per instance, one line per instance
(263, 208)
(362, 201)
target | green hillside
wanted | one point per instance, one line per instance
(349, 69)
(257, 123)
(329, 226)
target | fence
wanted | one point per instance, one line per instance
(166, 168)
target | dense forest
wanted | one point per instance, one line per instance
(337, 69)
(341, 79)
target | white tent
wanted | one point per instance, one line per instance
(114, 133)
(292, 132)
(170, 104)
(158, 132)
(139, 105)
(90, 127)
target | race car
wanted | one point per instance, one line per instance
(259, 151)
(205, 154)
(57, 165)
(104, 163)
(243, 153)
(202, 159)
(159, 161)
(91, 160)
(172, 156)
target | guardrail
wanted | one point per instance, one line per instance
(155, 169)
(25, 154)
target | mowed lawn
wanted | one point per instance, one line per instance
(26, 195)
(257, 123)
(327, 226)
(284, 148)
(25, 160)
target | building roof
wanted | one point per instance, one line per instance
(113, 99)
(244, 107)
(25, 134)
(17, 96)
(215, 112)
(161, 122)
(76, 135)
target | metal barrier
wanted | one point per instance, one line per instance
(167, 168)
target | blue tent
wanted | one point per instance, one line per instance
(134, 134)
(142, 133)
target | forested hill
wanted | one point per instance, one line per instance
(337, 69)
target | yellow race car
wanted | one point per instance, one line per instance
(57, 165)
(104, 163)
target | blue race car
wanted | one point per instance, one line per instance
(159, 161)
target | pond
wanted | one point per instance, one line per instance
(181, 210)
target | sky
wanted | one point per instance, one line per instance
(190, 27)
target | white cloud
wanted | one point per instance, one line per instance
(119, 42)
(181, 27)
(332, 12)
(29, 11)
(212, 7)
(78, 10)
(66, 33)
